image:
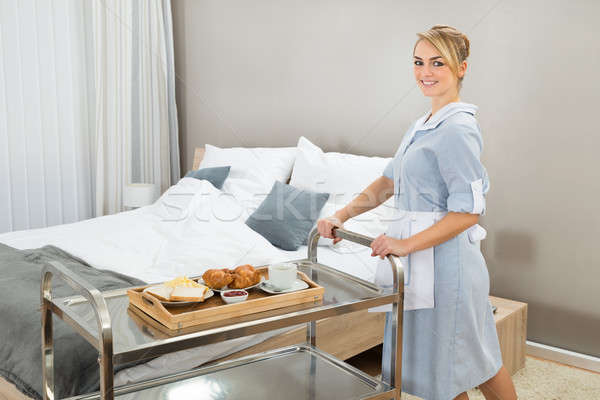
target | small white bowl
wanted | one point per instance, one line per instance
(234, 299)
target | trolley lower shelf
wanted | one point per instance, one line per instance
(296, 372)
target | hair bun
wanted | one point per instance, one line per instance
(467, 45)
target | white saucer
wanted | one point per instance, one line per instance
(297, 285)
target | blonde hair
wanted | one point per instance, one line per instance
(452, 44)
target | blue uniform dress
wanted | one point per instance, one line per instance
(452, 347)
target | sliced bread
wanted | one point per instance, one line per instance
(181, 293)
(161, 292)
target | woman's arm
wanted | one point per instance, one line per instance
(375, 194)
(448, 227)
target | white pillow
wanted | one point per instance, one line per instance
(343, 176)
(253, 171)
(267, 164)
(340, 174)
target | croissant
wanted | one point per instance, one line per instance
(246, 268)
(217, 278)
(244, 276)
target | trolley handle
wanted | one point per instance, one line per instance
(105, 339)
(82, 287)
(397, 270)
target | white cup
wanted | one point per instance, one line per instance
(282, 275)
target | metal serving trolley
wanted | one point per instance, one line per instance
(295, 372)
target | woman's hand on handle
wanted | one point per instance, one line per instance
(326, 226)
(375, 194)
(384, 245)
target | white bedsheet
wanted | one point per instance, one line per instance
(191, 228)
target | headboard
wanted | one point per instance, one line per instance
(198, 156)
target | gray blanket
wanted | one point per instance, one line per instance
(76, 368)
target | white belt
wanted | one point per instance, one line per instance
(418, 266)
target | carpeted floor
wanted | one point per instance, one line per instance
(538, 380)
(545, 380)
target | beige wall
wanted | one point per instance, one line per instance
(262, 73)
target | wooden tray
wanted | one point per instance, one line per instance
(215, 309)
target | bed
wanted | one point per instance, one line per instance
(194, 226)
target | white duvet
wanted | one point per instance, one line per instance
(192, 227)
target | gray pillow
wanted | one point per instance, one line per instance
(215, 175)
(287, 215)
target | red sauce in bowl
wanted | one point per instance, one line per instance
(234, 293)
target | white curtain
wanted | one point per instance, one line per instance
(87, 104)
(46, 114)
(136, 120)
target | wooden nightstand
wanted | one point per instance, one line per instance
(511, 324)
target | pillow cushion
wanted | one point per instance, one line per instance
(253, 171)
(340, 174)
(343, 176)
(215, 175)
(263, 164)
(287, 215)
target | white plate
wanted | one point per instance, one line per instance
(262, 279)
(297, 285)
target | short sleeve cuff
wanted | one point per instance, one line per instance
(464, 203)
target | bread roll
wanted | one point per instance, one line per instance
(217, 278)
(244, 276)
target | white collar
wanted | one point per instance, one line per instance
(444, 113)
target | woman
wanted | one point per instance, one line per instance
(450, 344)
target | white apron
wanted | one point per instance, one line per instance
(419, 282)
(418, 266)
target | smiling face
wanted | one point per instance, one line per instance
(433, 74)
